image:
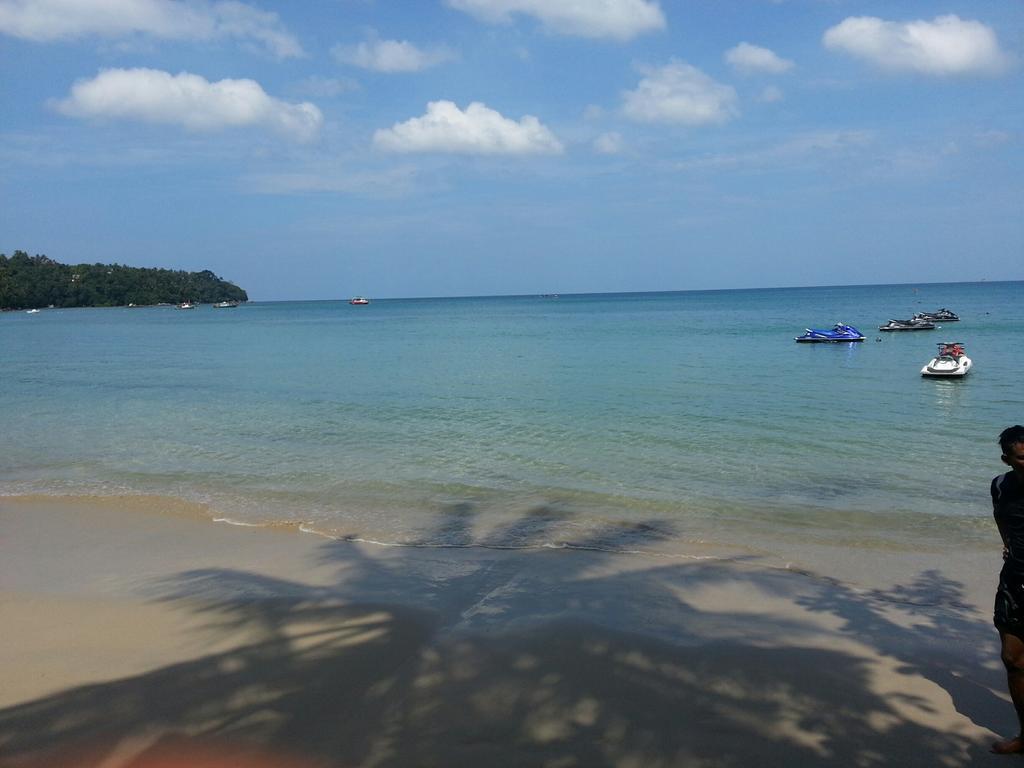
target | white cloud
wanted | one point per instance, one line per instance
(49, 20)
(390, 55)
(680, 93)
(390, 183)
(479, 130)
(948, 45)
(608, 143)
(326, 87)
(154, 96)
(992, 138)
(615, 19)
(753, 59)
(235, 19)
(800, 149)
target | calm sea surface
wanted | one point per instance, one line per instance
(662, 422)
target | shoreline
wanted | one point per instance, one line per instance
(866, 566)
(128, 632)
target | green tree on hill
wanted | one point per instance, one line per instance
(38, 281)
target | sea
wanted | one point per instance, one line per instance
(677, 424)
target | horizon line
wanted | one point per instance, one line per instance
(552, 294)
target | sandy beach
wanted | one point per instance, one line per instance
(137, 633)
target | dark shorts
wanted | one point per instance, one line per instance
(1008, 615)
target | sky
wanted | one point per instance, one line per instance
(328, 148)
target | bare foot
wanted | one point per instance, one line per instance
(1009, 746)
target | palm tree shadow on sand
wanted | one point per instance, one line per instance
(449, 657)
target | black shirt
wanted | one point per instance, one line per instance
(1008, 509)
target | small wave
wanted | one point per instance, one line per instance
(557, 545)
(646, 553)
(229, 521)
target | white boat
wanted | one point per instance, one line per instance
(186, 305)
(358, 300)
(31, 311)
(951, 362)
(226, 304)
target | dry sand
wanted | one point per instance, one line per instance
(136, 637)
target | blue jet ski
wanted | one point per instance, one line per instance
(838, 334)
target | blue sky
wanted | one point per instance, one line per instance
(329, 148)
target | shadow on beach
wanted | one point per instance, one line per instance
(434, 657)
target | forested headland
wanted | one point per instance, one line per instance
(38, 281)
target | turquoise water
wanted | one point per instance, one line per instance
(662, 422)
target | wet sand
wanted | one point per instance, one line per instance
(137, 637)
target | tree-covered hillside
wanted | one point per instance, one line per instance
(37, 281)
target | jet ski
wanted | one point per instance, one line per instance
(938, 316)
(951, 362)
(838, 333)
(913, 324)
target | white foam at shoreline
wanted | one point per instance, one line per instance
(305, 528)
(229, 521)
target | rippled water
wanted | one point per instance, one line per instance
(666, 422)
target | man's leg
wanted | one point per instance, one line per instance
(1013, 660)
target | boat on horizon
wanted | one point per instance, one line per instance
(186, 305)
(839, 333)
(950, 363)
(226, 304)
(359, 300)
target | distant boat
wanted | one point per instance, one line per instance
(914, 324)
(359, 300)
(226, 304)
(31, 311)
(939, 315)
(186, 305)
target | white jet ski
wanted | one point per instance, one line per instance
(951, 362)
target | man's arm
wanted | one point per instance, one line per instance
(1006, 544)
(999, 523)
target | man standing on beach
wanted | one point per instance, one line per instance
(1008, 508)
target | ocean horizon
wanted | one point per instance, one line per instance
(567, 294)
